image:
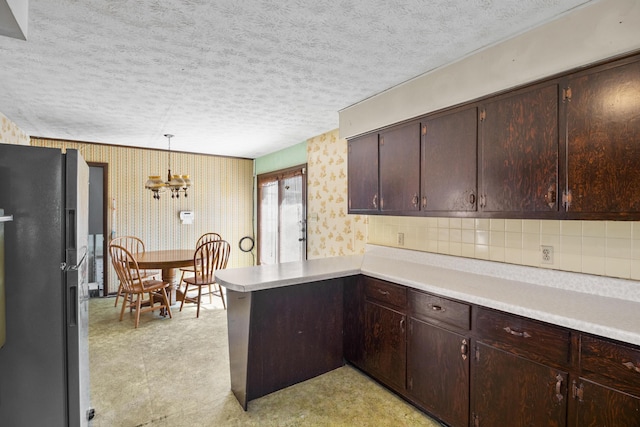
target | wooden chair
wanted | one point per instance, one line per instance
(208, 258)
(135, 246)
(135, 286)
(207, 237)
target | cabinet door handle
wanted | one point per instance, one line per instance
(415, 200)
(464, 349)
(472, 199)
(483, 200)
(402, 322)
(375, 201)
(559, 380)
(424, 201)
(437, 308)
(516, 333)
(632, 366)
(382, 292)
(550, 197)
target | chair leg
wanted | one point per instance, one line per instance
(210, 296)
(138, 307)
(166, 302)
(184, 296)
(199, 298)
(124, 304)
(118, 295)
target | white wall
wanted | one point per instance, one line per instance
(600, 30)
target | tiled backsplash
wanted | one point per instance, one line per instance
(606, 248)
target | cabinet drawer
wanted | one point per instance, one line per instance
(385, 292)
(440, 311)
(616, 362)
(528, 338)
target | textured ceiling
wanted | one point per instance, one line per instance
(232, 77)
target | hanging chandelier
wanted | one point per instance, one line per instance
(175, 183)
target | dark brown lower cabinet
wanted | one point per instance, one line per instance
(600, 406)
(385, 345)
(468, 365)
(438, 371)
(509, 390)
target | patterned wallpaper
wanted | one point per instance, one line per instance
(10, 133)
(331, 231)
(221, 197)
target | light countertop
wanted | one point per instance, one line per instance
(602, 306)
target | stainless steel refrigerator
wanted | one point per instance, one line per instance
(44, 363)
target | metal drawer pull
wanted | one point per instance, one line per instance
(516, 333)
(558, 387)
(383, 292)
(437, 308)
(632, 366)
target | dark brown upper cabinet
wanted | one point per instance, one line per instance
(564, 148)
(400, 169)
(603, 141)
(362, 173)
(449, 147)
(519, 153)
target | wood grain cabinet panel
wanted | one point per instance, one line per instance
(603, 121)
(439, 311)
(519, 153)
(600, 406)
(535, 340)
(400, 168)
(385, 292)
(438, 371)
(385, 346)
(513, 391)
(449, 147)
(362, 171)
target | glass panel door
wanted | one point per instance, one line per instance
(282, 216)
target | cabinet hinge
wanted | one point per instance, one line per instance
(424, 129)
(483, 115)
(566, 199)
(577, 391)
(566, 94)
(477, 354)
(476, 420)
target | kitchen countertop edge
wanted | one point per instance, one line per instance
(599, 305)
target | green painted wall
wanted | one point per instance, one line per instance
(285, 158)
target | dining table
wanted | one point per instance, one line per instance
(168, 261)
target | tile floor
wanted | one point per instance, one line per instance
(175, 372)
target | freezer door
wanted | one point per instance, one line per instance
(76, 281)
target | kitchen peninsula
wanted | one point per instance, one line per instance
(572, 334)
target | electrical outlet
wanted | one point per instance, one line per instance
(546, 254)
(400, 239)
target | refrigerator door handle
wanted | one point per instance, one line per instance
(73, 306)
(6, 218)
